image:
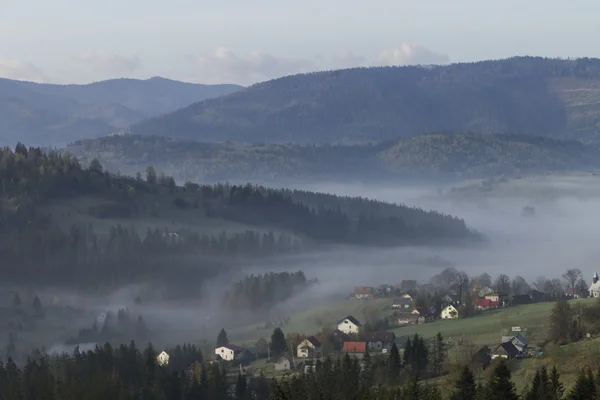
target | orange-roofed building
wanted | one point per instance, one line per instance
(356, 349)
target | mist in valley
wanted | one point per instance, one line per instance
(562, 233)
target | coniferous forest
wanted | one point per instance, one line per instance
(127, 372)
(114, 245)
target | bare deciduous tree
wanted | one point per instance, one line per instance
(571, 277)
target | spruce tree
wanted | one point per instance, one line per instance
(540, 386)
(222, 338)
(241, 387)
(556, 388)
(585, 387)
(278, 343)
(394, 365)
(439, 354)
(500, 386)
(465, 386)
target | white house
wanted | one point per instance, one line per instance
(283, 363)
(162, 358)
(595, 286)
(449, 312)
(349, 325)
(230, 352)
(309, 347)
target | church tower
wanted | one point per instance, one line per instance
(595, 277)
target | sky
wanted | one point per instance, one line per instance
(243, 42)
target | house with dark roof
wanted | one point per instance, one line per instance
(309, 348)
(518, 340)
(520, 299)
(377, 341)
(403, 303)
(230, 352)
(349, 325)
(425, 313)
(356, 349)
(508, 351)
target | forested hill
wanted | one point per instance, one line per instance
(72, 225)
(54, 115)
(431, 155)
(547, 97)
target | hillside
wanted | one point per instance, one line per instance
(70, 225)
(429, 155)
(53, 115)
(546, 97)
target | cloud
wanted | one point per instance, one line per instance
(407, 54)
(225, 66)
(110, 63)
(23, 71)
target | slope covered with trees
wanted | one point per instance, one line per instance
(444, 154)
(117, 229)
(53, 115)
(547, 97)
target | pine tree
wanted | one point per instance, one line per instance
(556, 387)
(585, 387)
(500, 386)
(222, 339)
(439, 354)
(394, 365)
(540, 386)
(465, 386)
(241, 387)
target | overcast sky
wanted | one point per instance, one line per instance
(245, 41)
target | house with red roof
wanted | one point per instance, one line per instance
(486, 304)
(356, 349)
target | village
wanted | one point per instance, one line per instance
(411, 304)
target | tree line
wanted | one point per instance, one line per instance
(260, 292)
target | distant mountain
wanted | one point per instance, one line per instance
(54, 115)
(429, 155)
(545, 97)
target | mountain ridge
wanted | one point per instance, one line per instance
(533, 95)
(54, 115)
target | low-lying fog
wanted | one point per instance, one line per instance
(562, 233)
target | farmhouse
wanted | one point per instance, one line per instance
(449, 312)
(309, 348)
(349, 325)
(410, 318)
(363, 292)
(163, 358)
(403, 303)
(230, 352)
(507, 350)
(378, 341)
(517, 340)
(485, 304)
(356, 349)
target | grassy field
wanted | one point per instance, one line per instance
(487, 328)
